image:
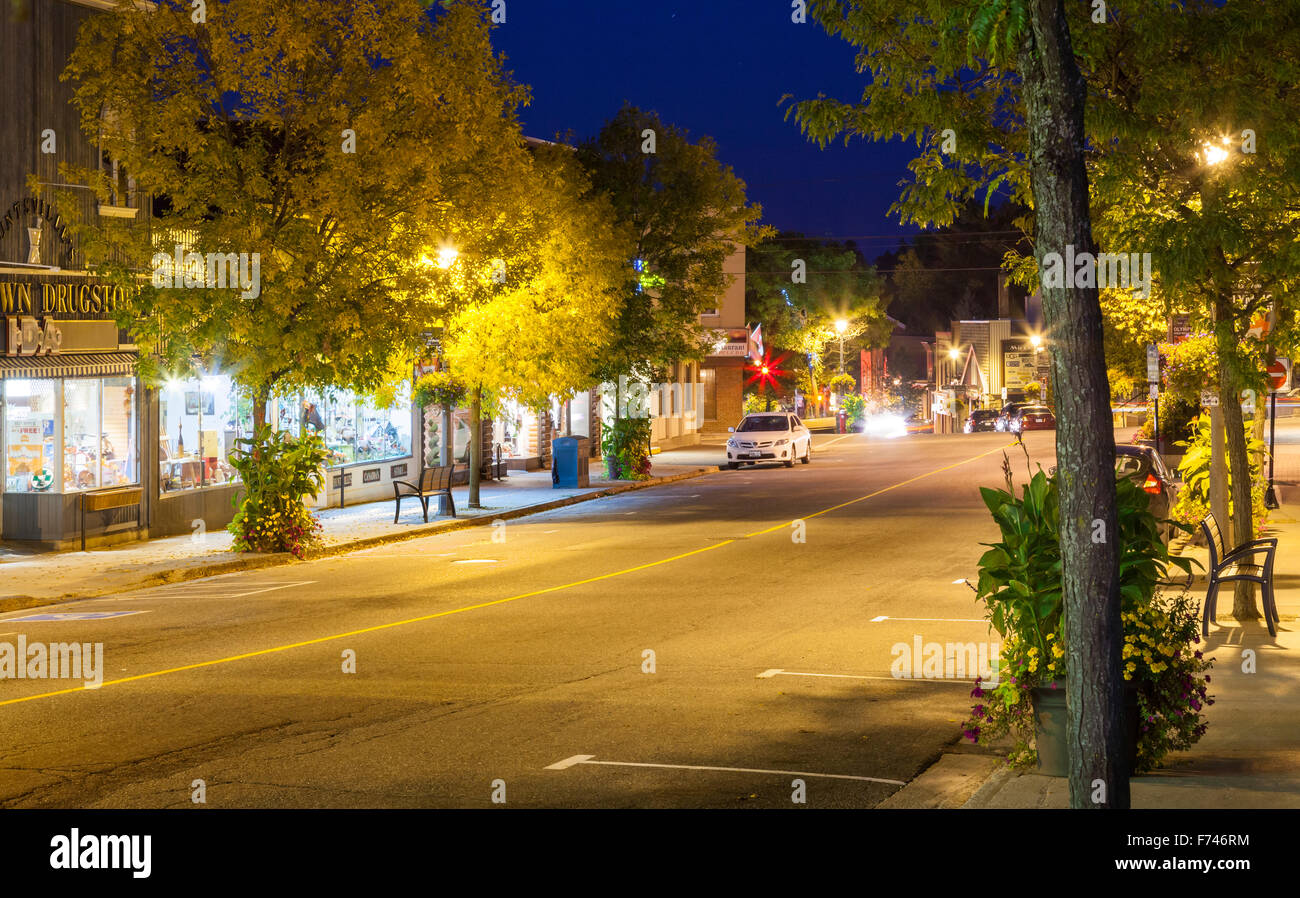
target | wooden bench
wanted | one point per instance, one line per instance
(1236, 566)
(108, 499)
(434, 481)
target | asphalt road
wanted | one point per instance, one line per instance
(486, 659)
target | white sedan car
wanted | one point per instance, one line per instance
(769, 436)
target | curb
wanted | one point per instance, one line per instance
(277, 559)
(954, 780)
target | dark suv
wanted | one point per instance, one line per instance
(981, 419)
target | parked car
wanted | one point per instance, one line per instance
(769, 436)
(1032, 417)
(1003, 422)
(981, 419)
(1143, 465)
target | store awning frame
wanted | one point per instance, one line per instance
(90, 364)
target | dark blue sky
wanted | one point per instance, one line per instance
(715, 67)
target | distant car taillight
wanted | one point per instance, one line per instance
(1152, 485)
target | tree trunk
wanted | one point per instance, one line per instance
(261, 400)
(476, 446)
(1054, 95)
(1234, 427)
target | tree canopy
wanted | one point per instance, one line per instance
(340, 144)
(686, 212)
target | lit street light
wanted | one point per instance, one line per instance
(840, 327)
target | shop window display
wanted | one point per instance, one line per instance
(200, 421)
(94, 419)
(30, 418)
(354, 429)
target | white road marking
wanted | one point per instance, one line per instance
(569, 762)
(962, 580)
(475, 561)
(769, 673)
(209, 589)
(792, 673)
(48, 617)
(876, 620)
(947, 620)
(587, 759)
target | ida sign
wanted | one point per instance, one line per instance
(29, 336)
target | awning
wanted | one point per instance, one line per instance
(90, 364)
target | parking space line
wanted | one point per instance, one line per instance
(589, 759)
(778, 672)
(942, 620)
(209, 590)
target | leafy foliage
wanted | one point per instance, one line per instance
(686, 212)
(626, 448)
(1020, 586)
(345, 142)
(438, 388)
(278, 471)
(1194, 499)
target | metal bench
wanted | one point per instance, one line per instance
(1235, 566)
(432, 482)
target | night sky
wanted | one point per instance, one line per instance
(715, 67)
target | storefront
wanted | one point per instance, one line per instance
(369, 444)
(70, 406)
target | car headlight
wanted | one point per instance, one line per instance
(781, 442)
(731, 444)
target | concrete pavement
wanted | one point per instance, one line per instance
(1250, 754)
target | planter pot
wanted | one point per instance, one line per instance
(1050, 728)
(612, 469)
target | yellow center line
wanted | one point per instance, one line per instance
(428, 617)
(892, 486)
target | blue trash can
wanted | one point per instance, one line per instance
(569, 465)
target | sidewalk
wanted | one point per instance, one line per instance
(1248, 758)
(28, 579)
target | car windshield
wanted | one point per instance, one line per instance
(1034, 410)
(982, 414)
(763, 423)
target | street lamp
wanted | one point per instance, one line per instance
(447, 256)
(1037, 342)
(840, 327)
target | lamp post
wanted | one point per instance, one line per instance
(840, 327)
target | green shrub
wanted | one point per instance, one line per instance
(278, 471)
(626, 448)
(1020, 585)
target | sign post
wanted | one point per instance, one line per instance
(1279, 378)
(1153, 380)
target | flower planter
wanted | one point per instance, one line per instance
(612, 469)
(1050, 728)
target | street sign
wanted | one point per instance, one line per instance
(1153, 363)
(1155, 391)
(1279, 375)
(1180, 328)
(1209, 398)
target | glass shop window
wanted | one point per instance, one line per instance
(30, 416)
